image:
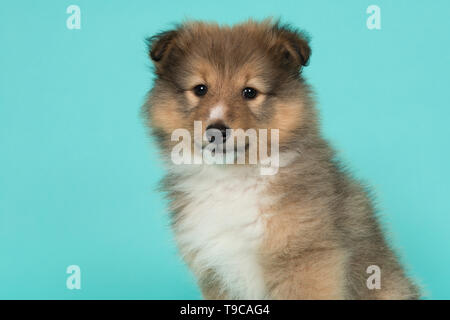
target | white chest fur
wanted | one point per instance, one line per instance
(222, 227)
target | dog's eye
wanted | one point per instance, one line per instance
(249, 93)
(200, 90)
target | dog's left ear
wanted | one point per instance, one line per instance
(292, 45)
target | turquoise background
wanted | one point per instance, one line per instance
(78, 172)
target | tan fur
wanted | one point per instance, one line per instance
(320, 228)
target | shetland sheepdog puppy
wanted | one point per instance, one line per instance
(308, 230)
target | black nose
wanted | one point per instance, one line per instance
(213, 129)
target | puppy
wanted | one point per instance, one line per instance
(307, 231)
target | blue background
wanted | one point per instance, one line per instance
(78, 172)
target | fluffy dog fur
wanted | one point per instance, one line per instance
(308, 232)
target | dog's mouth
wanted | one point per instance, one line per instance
(223, 148)
(234, 150)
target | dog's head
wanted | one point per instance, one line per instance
(243, 77)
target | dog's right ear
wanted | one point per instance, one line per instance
(159, 45)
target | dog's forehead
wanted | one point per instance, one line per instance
(218, 44)
(225, 51)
